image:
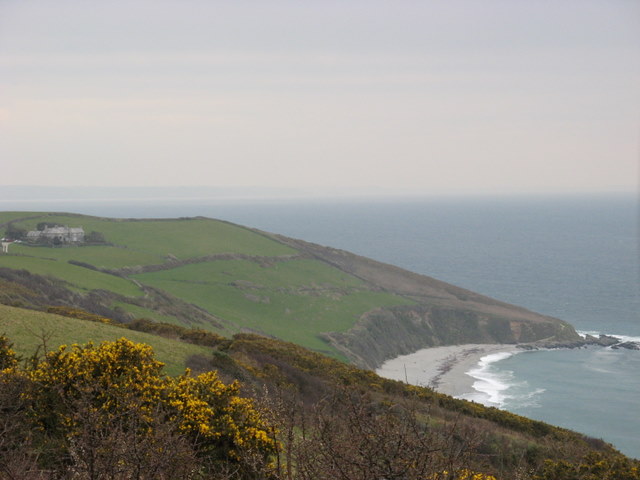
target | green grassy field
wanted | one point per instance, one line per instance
(141, 312)
(9, 216)
(182, 238)
(290, 274)
(295, 300)
(26, 328)
(79, 278)
(97, 255)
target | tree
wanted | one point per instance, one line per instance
(94, 237)
(15, 233)
(42, 225)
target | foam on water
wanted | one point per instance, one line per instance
(498, 387)
(490, 384)
(584, 333)
(622, 338)
(626, 338)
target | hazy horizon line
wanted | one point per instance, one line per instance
(31, 197)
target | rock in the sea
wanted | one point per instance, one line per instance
(607, 341)
(627, 345)
(527, 347)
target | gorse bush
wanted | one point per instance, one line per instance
(112, 379)
(8, 357)
(464, 474)
(78, 313)
(107, 411)
(593, 466)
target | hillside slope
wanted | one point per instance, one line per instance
(348, 416)
(31, 331)
(225, 278)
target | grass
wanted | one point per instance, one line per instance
(142, 312)
(97, 255)
(80, 278)
(290, 274)
(277, 300)
(182, 238)
(9, 216)
(26, 327)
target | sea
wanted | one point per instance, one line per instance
(574, 257)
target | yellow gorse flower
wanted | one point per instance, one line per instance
(464, 474)
(122, 379)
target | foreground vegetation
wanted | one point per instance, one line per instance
(107, 411)
(258, 408)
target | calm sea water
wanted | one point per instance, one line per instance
(575, 258)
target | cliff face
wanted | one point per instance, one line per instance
(387, 333)
(443, 315)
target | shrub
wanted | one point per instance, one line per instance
(77, 313)
(108, 411)
(8, 358)
(593, 466)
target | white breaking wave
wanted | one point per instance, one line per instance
(498, 387)
(584, 333)
(622, 338)
(627, 338)
(490, 384)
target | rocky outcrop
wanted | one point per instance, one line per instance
(588, 340)
(627, 345)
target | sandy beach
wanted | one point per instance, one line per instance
(441, 368)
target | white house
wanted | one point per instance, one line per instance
(62, 234)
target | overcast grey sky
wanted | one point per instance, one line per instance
(417, 96)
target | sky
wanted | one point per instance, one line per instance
(379, 96)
